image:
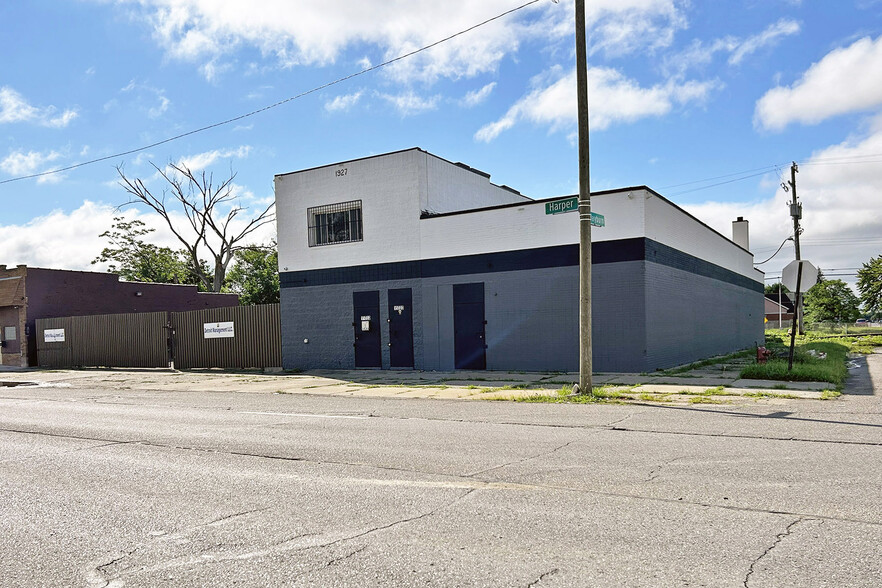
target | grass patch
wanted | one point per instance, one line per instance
(771, 395)
(830, 394)
(706, 400)
(655, 397)
(564, 396)
(806, 367)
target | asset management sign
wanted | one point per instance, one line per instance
(218, 330)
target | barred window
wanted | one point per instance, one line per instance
(335, 223)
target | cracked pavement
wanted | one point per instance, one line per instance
(151, 486)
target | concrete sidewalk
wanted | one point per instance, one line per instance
(717, 384)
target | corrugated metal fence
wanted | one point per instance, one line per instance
(233, 337)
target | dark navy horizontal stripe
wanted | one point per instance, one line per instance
(636, 249)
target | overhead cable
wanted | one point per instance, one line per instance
(276, 104)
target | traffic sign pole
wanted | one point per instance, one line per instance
(793, 326)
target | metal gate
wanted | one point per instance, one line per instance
(232, 337)
(112, 340)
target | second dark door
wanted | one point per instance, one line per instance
(400, 328)
(469, 344)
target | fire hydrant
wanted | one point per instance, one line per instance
(762, 355)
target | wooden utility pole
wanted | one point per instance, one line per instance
(585, 348)
(796, 213)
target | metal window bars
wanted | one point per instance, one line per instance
(335, 223)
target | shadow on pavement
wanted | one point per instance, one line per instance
(782, 415)
(859, 382)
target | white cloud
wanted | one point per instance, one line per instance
(842, 213)
(843, 81)
(204, 31)
(70, 240)
(699, 54)
(14, 108)
(153, 109)
(204, 160)
(476, 97)
(59, 239)
(343, 103)
(621, 27)
(159, 109)
(613, 97)
(770, 36)
(19, 163)
(408, 103)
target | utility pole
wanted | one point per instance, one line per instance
(796, 213)
(585, 348)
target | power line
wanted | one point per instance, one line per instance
(776, 252)
(276, 104)
(765, 169)
(747, 177)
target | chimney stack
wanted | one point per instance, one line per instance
(740, 233)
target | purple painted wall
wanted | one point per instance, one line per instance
(56, 293)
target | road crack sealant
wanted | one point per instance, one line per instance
(97, 578)
(520, 461)
(539, 580)
(655, 471)
(468, 482)
(778, 539)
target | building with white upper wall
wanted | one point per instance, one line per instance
(407, 260)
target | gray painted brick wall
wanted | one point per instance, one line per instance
(691, 317)
(646, 316)
(323, 316)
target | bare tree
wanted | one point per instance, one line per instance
(202, 202)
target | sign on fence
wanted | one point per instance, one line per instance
(218, 330)
(53, 336)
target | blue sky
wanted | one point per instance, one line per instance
(680, 91)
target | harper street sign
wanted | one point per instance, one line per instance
(572, 205)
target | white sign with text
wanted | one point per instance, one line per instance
(218, 330)
(53, 335)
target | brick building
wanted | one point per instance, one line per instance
(30, 293)
(406, 260)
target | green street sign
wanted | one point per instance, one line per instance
(572, 205)
(565, 205)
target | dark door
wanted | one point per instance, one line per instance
(366, 317)
(400, 328)
(468, 327)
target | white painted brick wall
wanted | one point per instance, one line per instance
(395, 188)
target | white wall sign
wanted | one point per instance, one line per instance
(53, 335)
(218, 330)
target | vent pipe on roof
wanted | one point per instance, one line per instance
(740, 233)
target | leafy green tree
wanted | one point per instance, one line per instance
(773, 288)
(135, 260)
(831, 300)
(255, 275)
(870, 285)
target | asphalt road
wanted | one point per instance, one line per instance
(156, 488)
